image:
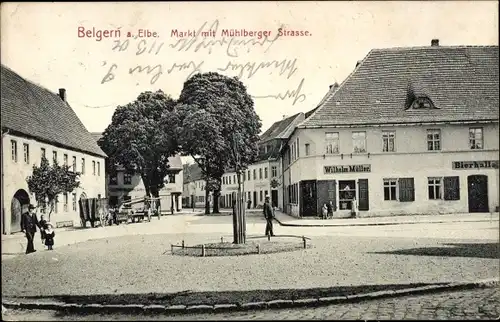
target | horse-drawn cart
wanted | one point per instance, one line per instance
(138, 210)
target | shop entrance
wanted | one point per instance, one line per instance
(274, 197)
(478, 193)
(309, 195)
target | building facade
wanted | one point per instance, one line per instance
(194, 194)
(410, 131)
(36, 123)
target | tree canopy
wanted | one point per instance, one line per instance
(136, 141)
(48, 181)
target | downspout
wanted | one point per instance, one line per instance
(1, 162)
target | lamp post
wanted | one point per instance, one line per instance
(239, 221)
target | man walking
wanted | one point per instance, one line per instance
(268, 214)
(29, 222)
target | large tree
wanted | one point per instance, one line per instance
(136, 141)
(47, 182)
(218, 125)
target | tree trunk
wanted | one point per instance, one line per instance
(216, 201)
(207, 202)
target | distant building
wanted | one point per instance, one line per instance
(264, 177)
(410, 131)
(194, 187)
(37, 122)
(126, 186)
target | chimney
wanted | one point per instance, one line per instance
(358, 62)
(335, 86)
(435, 42)
(62, 94)
(284, 116)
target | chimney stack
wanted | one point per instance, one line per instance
(435, 42)
(335, 86)
(62, 94)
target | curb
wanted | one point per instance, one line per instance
(274, 304)
(381, 223)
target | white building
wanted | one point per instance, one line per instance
(410, 131)
(37, 122)
(193, 191)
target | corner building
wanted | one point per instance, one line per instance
(410, 131)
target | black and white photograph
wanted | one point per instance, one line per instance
(241, 160)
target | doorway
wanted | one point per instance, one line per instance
(274, 198)
(478, 193)
(19, 202)
(308, 194)
(255, 199)
(347, 193)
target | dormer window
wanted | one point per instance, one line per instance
(422, 103)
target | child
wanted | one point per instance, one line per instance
(49, 236)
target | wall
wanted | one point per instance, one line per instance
(15, 174)
(410, 159)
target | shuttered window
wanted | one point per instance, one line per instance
(406, 189)
(451, 188)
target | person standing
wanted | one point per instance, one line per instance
(29, 222)
(268, 214)
(43, 226)
(49, 236)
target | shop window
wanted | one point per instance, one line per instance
(331, 142)
(433, 140)
(390, 189)
(389, 141)
(359, 142)
(347, 193)
(476, 138)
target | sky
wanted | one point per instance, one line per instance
(285, 74)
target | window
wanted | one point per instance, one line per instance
(26, 149)
(43, 154)
(388, 139)
(307, 149)
(260, 173)
(229, 179)
(93, 168)
(127, 178)
(359, 142)
(260, 196)
(298, 148)
(254, 174)
(332, 142)
(13, 145)
(54, 156)
(98, 168)
(113, 179)
(434, 187)
(249, 195)
(274, 171)
(74, 164)
(422, 102)
(223, 180)
(390, 188)
(476, 138)
(433, 140)
(234, 178)
(65, 205)
(74, 201)
(83, 165)
(248, 174)
(265, 173)
(171, 178)
(65, 159)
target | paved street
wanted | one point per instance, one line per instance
(481, 304)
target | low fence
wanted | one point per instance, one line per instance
(204, 248)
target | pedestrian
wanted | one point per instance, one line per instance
(354, 208)
(268, 214)
(49, 236)
(43, 226)
(324, 211)
(29, 222)
(330, 209)
(249, 203)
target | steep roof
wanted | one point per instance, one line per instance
(34, 111)
(279, 130)
(192, 172)
(461, 81)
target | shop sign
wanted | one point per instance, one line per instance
(347, 168)
(463, 165)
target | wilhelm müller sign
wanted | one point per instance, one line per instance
(460, 165)
(347, 168)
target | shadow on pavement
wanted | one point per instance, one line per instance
(223, 297)
(478, 250)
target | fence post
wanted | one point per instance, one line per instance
(202, 250)
(171, 248)
(183, 243)
(258, 249)
(304, 240)
(222, 240)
